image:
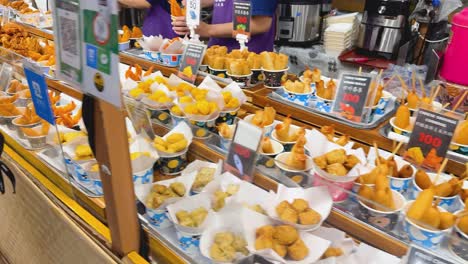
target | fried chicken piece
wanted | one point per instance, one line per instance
(298, 250)
(285, 234)
(336, 156)
(309, 217)
(337, 169)
(300, 205)
(289, 215)
(351, 161)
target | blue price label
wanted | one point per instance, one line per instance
(39, 94)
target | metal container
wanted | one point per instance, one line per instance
(382, 27)
(298, 22)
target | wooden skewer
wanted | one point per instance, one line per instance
(413, 81)
(462, 98)
(432, 91)
(403, 84)
(441, 169)
(376, 149)
(421, 83)
(387, 82)
(360, 70)
(435, 94)
(397, 148)
(445, 105)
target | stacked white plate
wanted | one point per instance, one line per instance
(338, 37)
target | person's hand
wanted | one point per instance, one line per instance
(179, 25)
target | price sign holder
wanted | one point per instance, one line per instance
(352, 96)
(140, 117)
(67, 37)
(193, 12)
(5, 76)
(430, 138)
(242, 154)
(39, 92)
(242, 14)
(191, 60)
(418, 254)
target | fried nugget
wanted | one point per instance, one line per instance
(281, 250)
(336, 156)
(224, 238)
(289, 215)
(285, 235)
(351, 161)
(178, 188)
(298, 250)
(222, 253)
(337, 169)
(263, 242)
(332, 252)
(266, 230)
(309, 217)
(321, 162)
(300, 205)
(282, 206)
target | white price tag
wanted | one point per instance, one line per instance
(193, 11)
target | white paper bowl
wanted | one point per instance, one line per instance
(399, 130)
(280, 162)
(267, 130)
(448, 203)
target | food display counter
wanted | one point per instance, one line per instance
(352, 219)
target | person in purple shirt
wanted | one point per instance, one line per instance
(158, 18)
(262, 25)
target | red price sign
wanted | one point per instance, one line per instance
(430, 139)
(191, 61)
(241, 19)
(351, 98)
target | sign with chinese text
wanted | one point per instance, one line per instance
(101, 50)
(430, 139)
(242, 154)
(140, 117)
(241, 18)
(351, 96)
(420, 255)
(39, 92)
(191, 60)
(67, 38)
(193, 13)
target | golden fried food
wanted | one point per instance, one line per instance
(337, 169)
(300, 205)
(266, 230)
(297, 159)
(285, 234)
(351, 161)
(160, 193)
(402, 117)
(225, 131)
(204, 176)
(263, 242)
(309, 217)
(321, 162)
(225, 245)
(83, 152)
(192, 219)
(297, 86)
(289, 215)
(281, 250)
(332, 252)
(336, 156)
(222, 253)
(136, 32)
(266, 146)
(461, 133)
(406, 171)
(174, 143)
(298, 250)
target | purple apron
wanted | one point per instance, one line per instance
(158, 22)
(222, 13)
